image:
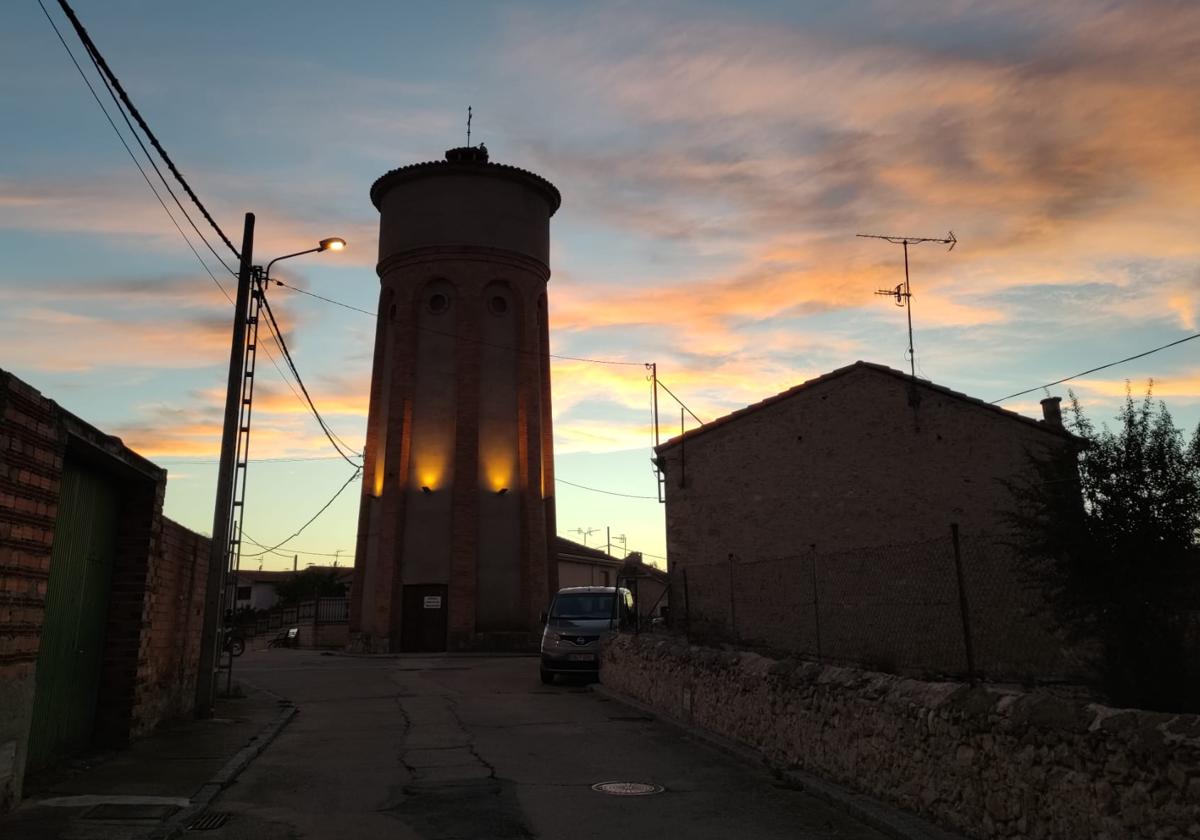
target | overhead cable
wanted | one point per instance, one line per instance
(273, 326)
(357, 472)
(250, 539)
(133, 156)
(149, 157)
(285, 460)
(116, 83)
(681, 403)
(1095, 369)
(605, 492)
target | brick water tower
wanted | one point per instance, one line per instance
(457, 514)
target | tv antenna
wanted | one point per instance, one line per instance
(585, 532)
(468, 125)
(903, 292)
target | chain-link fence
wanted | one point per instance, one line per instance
(958, 606)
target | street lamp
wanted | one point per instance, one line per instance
(237, 422)
(333, 243)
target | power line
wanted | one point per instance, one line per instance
(460, 338)
(327, 300)
(248, 538)
(681, 403)
(292, 388)
(133, 157)
(1095, 369)
(357, 472)
(90, 46)
(185, 460)
(166, 184)
(273, 326)
(605, 492)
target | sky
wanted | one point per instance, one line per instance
(715, 160)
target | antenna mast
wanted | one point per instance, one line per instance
(903, 293)
(468, 125)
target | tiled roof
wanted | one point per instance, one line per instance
(444, 167)
(869, 366)
(564, 546)
(276, 575)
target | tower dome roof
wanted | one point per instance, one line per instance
(465, 160)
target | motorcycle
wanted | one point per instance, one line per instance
(234, 643)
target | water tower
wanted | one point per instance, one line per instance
(457, 516)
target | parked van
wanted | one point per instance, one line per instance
(580, 617)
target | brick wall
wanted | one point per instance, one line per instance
(835, 504)
(153, 627)
(173, 616)
(986, 761)
(31, 449)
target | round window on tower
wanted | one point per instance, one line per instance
(497, 305)
(438, 303)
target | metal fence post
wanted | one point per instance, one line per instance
(816, 602)
(962, 603)
(687, 608)
(732, 614)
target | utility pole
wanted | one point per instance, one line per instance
(609, 539)
(903, 292)
(218, 557)
(656, 460)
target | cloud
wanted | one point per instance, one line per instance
(1183, 385)
(61, 340)
(119, 205)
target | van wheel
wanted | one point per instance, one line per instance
(547, 677)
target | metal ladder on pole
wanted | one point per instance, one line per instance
(238, 507)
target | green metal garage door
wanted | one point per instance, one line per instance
(68, 668)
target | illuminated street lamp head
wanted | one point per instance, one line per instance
(333, 243)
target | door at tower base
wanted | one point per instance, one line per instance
(423, 622)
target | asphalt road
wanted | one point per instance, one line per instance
(454, 747)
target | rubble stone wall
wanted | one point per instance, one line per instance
(985, 761)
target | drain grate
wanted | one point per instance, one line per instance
(627, 788)
(208, 821)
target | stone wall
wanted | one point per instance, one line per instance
(985, 761)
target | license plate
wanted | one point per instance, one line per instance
(581, 657)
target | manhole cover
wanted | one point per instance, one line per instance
(208, 821)
(627, 788)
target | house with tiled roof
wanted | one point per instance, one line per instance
(860, 490)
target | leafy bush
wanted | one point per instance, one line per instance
(1110, 535)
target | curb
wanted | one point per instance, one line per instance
(225, 776)
(442, 655)
(884, 818)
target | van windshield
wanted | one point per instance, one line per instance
(583, 606)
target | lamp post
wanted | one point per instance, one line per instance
(224, 542)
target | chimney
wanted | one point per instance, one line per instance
(1052, 412)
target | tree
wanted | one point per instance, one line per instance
(1110, 533)
(310, 583)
